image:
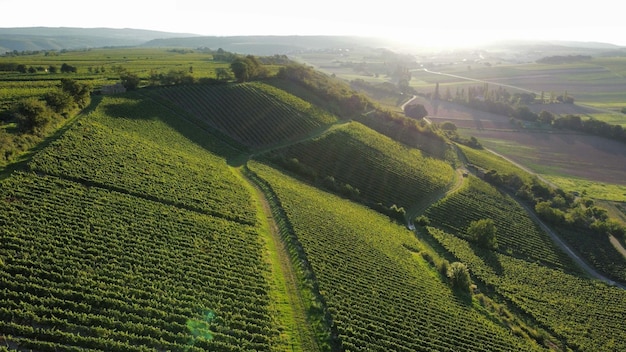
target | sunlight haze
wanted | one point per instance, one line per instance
(445, 23)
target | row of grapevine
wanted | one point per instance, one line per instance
(130, 145)
(254, 114)
(585, 314)
(596, 249)
(517, 234)
(131, 233)
(383, 170)
(93, 268)
(380, 295)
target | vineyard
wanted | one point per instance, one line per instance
(129, 234)
(587, 315)
(126, 144)
(131, 228)
(595, 249)
(517, 234)
(84, 267)
(380, 295)
(254, 114)
(383, 170)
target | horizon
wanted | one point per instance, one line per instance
(448, 25)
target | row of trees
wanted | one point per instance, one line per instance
(500, 101)
(558, 207)
(21, 68)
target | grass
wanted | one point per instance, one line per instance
(284, 292)
(593, 189)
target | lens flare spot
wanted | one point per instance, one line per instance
(200, 328)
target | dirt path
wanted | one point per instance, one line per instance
(618, 245)
(290, 305)
(556, 239)
(455, 185)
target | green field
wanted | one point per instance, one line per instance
(248, 217)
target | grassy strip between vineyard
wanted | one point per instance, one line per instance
(285, 293)
(317, 333)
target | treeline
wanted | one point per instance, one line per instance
(500, 101)
(21, 68)
(563, 59)
(34, 118)
(338, 98)
(591, 126)
(558, 207)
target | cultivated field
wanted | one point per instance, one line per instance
(550, 152)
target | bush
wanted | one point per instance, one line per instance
(459, 276)
(422, 220)
(483, 232)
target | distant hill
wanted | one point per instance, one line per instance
(58, 38)
(48, 38)
(270, 45)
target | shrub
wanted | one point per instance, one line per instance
(483, 232)
(459, 276)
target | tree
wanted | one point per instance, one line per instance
(241, 70)
(59, 101)
(65, 68)
(32, 115)
(483, 232)
(247, 68)
(436, 94)
(222, 74)
(416, 111)
(546, 117)
(459, 276)
(448, 126)
(130, 81)
(80, 92)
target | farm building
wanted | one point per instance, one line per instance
(113, 89)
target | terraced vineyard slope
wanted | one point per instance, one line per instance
(383, 170)
(131, 235)
(378, 292)
(517, 234)
(529, 269)
(255, 114)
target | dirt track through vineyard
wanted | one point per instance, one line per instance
(301, 332)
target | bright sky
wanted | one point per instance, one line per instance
(449, 22)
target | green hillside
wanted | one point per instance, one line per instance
(247, 217)
(131, 235)
(381, 169)
(529, 269)
(380, 295)
(254, 114)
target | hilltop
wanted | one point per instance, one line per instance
(51, 38)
